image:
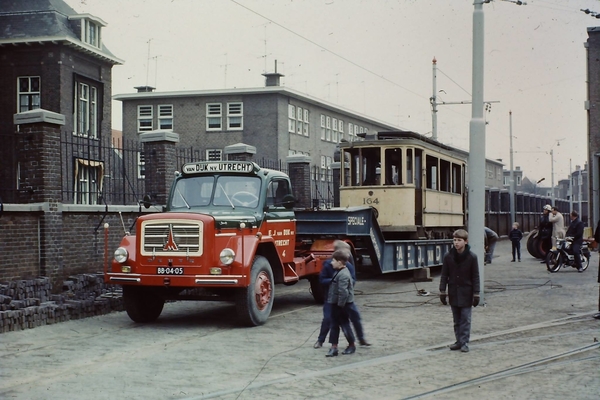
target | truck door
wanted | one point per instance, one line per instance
(280, 220)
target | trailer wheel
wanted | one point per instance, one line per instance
(317, 290)
(142, 304)
(255, 302)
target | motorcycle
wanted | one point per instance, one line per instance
(562, 256)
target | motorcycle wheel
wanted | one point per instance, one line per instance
(553, 261)
(585, 261)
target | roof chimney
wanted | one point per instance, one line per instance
(272, 78)
(142, 89)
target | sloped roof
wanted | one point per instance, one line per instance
(38, 21)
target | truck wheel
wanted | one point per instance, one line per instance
(317, 289)
(255, 302)
(141, 304)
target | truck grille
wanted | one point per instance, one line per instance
(172, 237)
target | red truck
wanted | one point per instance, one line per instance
(228, 233)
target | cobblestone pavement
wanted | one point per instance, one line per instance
(535, 338)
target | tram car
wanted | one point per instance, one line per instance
(415, 184)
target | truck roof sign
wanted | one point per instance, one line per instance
(218, 166)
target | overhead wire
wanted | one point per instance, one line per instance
(328, 50)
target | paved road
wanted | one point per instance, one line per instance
(534, 339)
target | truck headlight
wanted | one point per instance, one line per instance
(227, 256)
(121, 255)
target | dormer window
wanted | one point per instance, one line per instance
(91, 28)
(90, 32)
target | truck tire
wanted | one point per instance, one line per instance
(142, 304)
(316, 289)
(255, 302)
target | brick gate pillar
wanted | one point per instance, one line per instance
(240, 152)
(299, 173)
(161, 163)
(39, 157)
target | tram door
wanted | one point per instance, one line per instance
(419, 195)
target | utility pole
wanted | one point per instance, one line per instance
(552, 176)
(433, 101)
(476, 162)
(511, 189)
(570, 186)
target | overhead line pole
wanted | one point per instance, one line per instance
(476, 165)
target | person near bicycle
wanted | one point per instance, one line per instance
(558, 225)
(576, 232)
(545, 226)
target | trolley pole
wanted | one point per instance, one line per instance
(511, 190)
(476, 165)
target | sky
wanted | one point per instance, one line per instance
(375, 57)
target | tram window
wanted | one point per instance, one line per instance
(456, 179)
(431, 172)
(445, 176)
(418, 168)
(409, 166)
(371, 163)
(393, 165)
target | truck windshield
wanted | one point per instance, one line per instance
(228, 191)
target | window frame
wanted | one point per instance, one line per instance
(211, 115)
(146, 117)
(30, 94)
(233, 114)
(210, 157)
(165, 117)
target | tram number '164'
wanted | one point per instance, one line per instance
(370, 200)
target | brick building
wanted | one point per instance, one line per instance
(277, 121)
(53, 58)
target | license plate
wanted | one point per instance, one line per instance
(169, 270)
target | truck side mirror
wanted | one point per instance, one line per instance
(147, 201)
(288, 201)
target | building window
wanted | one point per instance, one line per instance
(506, 180)
(235, 117)
(323, 129)
(305, 122)
(291, 118)
(141, 164)
(90, 33)
(86, 111)
(334, 133)
(165, 117)
(490, 171)
(29, 93)
(328, 129)
(214, 155)
(88, 181)
(299, 125)
(213, 116)
(518, 180)
(145, 118)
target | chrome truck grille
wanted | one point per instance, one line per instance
(173, 237)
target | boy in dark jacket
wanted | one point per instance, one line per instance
(515, 236)
(341, 298)
(460, 272)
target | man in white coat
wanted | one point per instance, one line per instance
(558, 225)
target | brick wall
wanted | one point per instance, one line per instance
(82, 245)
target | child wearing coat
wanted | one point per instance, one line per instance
(515, 236)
